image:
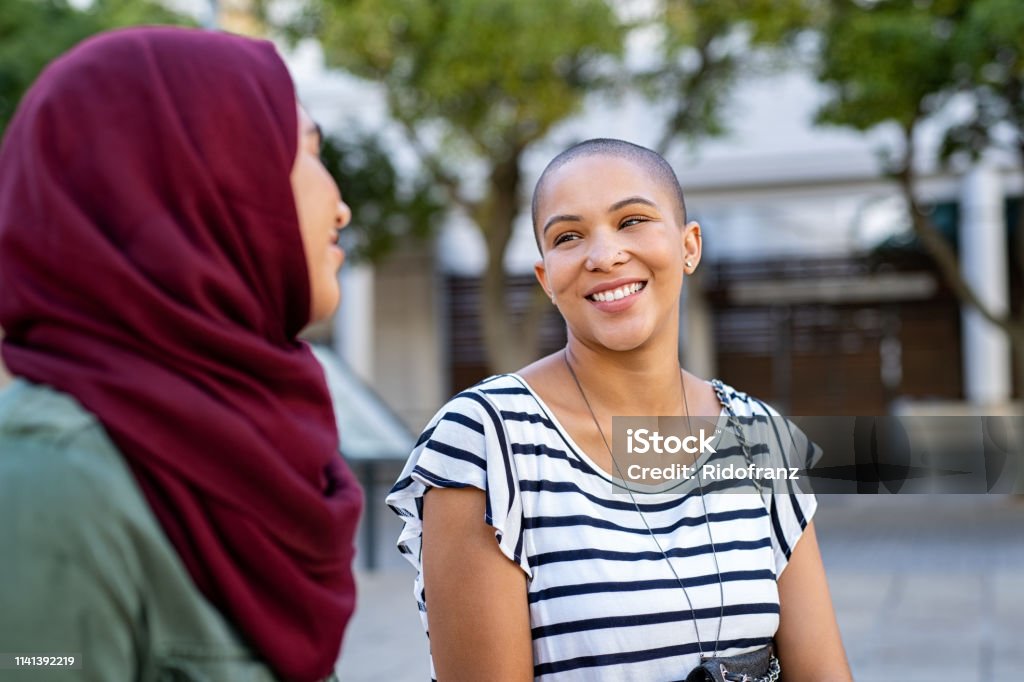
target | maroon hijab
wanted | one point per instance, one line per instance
(151, 266)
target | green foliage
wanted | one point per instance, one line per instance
(705, 46)
(765, 22)
(990, 46)
(34, 32)
(887, 61)
(496, 73)
(479, 81)
(901, 60)
(476, 81)
(385, 210)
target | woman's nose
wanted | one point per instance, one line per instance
(605, 252)
(344, 214)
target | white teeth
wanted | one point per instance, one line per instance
(617, 294)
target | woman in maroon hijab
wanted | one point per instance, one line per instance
(172, 501)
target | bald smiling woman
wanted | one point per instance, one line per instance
(533, 560)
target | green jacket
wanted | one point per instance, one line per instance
(85, 569)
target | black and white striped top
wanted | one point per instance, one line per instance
(604, 604)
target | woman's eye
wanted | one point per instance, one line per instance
(568, 236)
(632, 220)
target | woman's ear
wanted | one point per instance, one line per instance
(692, 244)
(542, 278)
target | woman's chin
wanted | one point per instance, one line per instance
(622, 341)
(325, 303)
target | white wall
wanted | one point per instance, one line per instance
(409, 361)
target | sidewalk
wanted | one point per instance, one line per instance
(924, 589)
(385, 640)
(927, 588)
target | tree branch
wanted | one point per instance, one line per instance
(690, 96)
(943, 254)
(436, 169)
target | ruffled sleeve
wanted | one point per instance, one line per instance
(792, 509)
(465, 445)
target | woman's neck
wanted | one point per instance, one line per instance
(638, 382)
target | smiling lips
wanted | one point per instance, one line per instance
(618, 293)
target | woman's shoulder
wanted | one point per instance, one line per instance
(511, 383)
(64, 489)
(37, 411)
(490, 396)
(48, 437)
(61, 477)
(741, 403)
(85, 548)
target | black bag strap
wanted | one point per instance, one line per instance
(737, 428)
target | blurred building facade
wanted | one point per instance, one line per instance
(810, 294)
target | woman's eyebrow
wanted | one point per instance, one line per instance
(622, 203)
(560, 218)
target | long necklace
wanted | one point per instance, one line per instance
(707, 520)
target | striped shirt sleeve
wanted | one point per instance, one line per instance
(464, 445)
(790, 511)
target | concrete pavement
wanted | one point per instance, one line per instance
(925, 588)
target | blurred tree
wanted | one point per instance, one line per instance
(706, 46)
(900, 62)
(385, 208)
(34, 32)
(989, 45)
(474, 83)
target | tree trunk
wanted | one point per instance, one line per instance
(948, 264)
(946, 260)
(1017, 343)
(1018, 346)
(508, 345)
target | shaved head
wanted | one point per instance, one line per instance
(652, 162)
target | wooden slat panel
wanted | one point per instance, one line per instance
(816, 359)
(468, 358)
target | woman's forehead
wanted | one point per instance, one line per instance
(600, 178)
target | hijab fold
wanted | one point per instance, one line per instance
(151, 266)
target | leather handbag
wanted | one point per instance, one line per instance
(756, 666)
